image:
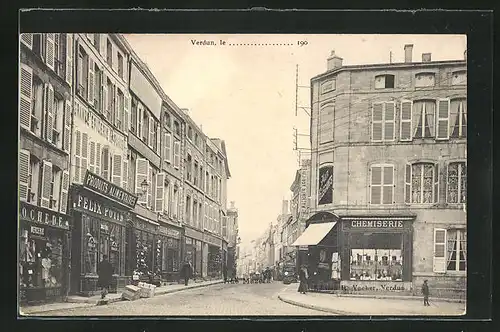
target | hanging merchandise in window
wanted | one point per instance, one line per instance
(325, 191)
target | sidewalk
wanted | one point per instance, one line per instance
(82, 301)
(347, 305)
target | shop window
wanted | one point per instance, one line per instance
(198, 261)
(384, 82)
(90, 244)
(424, 80)
(82, 72)
(41, 257)
(458, 118)
(422, 183)
(456, 250)
(382, 184)
(456, 183)
(144, 253)
(424, 118)
(376, 256)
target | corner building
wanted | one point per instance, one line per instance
(388, 176)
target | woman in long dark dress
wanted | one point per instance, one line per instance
(303, 280)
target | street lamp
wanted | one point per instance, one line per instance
(144, 188)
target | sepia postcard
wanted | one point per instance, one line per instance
(242, 175)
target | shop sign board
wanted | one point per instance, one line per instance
(170, 232)
(189, 232)
(108, 189)
(375, 286)
(210, 239)
(42, 216)
(386, 224)
(88, 205)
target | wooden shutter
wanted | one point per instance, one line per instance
(439, 262)
(69, 58)
(46, 183)
(158, 137)
(406, 120)
(91, 82)
(141, 174)
(27, 39)
(389, 121)
(67, 126)
(105, 163)
(49, 111)
(151, 142)
(443, 117)
(177, 154)
(78, 156)
(98, 159)
(49, 50)
(92, 157)
(126, 115)
(408, 183)
(24, 169)
(85, 155)
(377, 117)
(26, 100)
(168, 148)
(388, 185)
(125, 173)
(160, 192)
(63, 202)
(139, 120)
(150, 187)
(117, 169)
(104, 85)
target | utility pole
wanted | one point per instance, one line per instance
(307, 110)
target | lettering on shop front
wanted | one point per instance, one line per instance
(87, 204)
(377, 224)
(108, 189)
(42, 216)
(374, 288)
(170, 232)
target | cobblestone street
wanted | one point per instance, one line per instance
(228, 299)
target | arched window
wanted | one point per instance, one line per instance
(421, 183)
(459, 77)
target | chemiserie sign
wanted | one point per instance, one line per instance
(377, 224)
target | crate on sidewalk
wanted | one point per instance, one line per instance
(131, 293)
(146, 290)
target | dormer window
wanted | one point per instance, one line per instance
(384, 82)
(425, 80)
(459, 77)
(328, 86)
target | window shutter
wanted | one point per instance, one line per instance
(406, 120)
(63, 205)
(114, 106)
(67, 125)
(25, 102)
(125, 173)
(388, 185)
(442, 131)
(177, 154)
(49, 109)
(389, 123)
(85, 155)
(90, 82)
(104, 86)
(439, 262)
(117, 169)
(105, 163)
(78, 156)
(69, 58)
(126, 115)
(168, 147)
(160, 192)
(139, 120)
(98, 159)
(150, 187)
(92, 157)
(408, 183)
(46, 184)
(436, 183)
(24, 169)
(141, 174)
(158, 137)
(49, 50)
(151, 142)
(377, 116)
(376, 184)
(27, 39)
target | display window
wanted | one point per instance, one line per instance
(41, 257)
(214, 260)
(145, 250)
(198, 259)
(376, 256)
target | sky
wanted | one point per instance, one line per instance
(246, 95)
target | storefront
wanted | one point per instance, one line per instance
(193, 250)
(100, 211)
(43, 253)
(215, 255)
(143, 249)
(168, 252)
(358, 254)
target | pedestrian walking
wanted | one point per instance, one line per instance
(425, 292)
(186, 272)
(105, 273)
(303, 277)
(224, 273)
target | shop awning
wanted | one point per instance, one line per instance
(148, 220)
(314, 234)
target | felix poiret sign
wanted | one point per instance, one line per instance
(108, 189)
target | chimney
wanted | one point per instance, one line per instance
(408, 52)
(426, 57)
(284, 209)
(333, 61)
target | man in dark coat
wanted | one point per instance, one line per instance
(224, 272)
(186, 272)
(425, 292)
(303, 276)
(105, 272)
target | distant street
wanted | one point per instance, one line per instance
(221, 299)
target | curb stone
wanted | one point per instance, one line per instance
(314, 307)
